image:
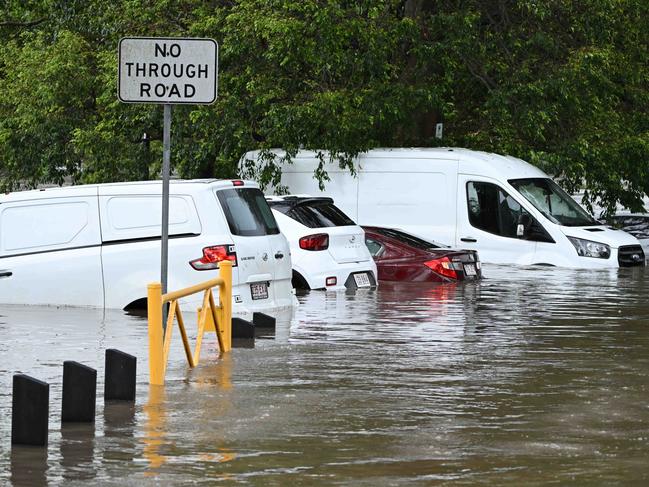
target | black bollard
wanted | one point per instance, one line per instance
(242, 328)
(30, 411)
(262, 320)
(79, 393)
(120, 376)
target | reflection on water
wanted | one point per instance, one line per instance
(154, 429)
(77, 451)
(532, 376)
(28, 466)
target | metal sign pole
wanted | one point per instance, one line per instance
(141, 80)
(166, 157)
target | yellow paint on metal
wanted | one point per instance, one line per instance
(210, 317)
(154, 431)
(156, 364)
(225, 305)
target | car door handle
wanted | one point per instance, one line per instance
(468, 239)
(6, 274)
(279, 255)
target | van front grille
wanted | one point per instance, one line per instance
(630, 255)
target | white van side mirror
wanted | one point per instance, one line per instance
(524, 224)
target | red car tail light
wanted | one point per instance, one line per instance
(237, 182)
(319, 241)
(213, 255)
(442, 266)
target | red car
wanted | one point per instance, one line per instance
(400, 256)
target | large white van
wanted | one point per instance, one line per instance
(507, 209)
(99, 245)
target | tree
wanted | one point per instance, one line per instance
(562, 84)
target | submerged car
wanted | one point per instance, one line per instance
(99, 245)
(637, 224)
(327, 247)
(401, 256)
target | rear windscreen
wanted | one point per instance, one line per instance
(406, 238)
(247, 212)
(317, 215)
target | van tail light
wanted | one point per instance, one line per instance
(213, 255)
(319, 241)
(442, 266)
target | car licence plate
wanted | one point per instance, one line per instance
(469, 270)
(362, 280)
(259, 290)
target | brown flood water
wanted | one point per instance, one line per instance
(532, 377)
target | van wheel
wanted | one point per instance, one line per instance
(137, 305)
(299, 282)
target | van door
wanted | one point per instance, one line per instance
(263, 256)
(50, 252)
(487, 221)
(131, 226)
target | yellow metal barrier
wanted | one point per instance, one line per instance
(159, 340)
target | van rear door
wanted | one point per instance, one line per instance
(263, 256)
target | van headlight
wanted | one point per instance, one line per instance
(588, 248)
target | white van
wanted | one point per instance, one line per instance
(507, 209)
(99, 245)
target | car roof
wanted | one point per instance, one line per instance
(382, 159)
(93, 189)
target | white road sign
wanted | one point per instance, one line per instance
(167, 70)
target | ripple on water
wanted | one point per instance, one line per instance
(533, 375)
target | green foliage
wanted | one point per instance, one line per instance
(560, 83)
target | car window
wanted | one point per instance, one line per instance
(317, 215)
(493, 210)
(247, 212)
(373, 246)
(407, 239)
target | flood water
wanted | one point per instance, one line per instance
(534, 376)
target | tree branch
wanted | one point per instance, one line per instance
(26, 25)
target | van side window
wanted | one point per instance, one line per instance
(247, 212)
(134, 217)
(36, 227)
(493, 210)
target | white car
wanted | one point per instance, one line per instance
(637, 224)
(327, 248)
(99, 245)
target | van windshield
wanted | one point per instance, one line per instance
(553, 202)
(247, 212)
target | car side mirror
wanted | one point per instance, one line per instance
(524, 223)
